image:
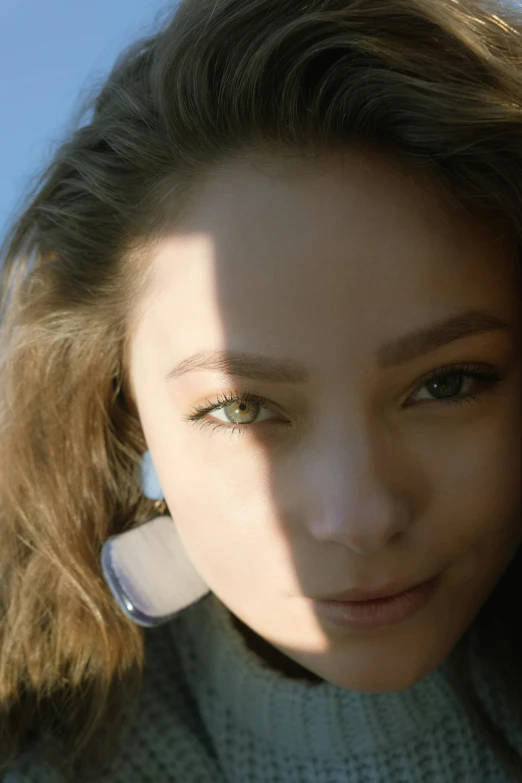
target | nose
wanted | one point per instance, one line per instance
(354, 498)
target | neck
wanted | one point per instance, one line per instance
(272, 656)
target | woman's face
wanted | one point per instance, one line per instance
(355, 474)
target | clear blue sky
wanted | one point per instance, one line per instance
(49, 51)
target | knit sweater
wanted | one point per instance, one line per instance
(213, 711)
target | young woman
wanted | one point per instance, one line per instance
(260, 388)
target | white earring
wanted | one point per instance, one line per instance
(150, 482)
(148, 569)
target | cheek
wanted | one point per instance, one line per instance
(477, 465)
(228, 524)
(476, 490)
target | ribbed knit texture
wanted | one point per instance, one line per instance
(214, 712)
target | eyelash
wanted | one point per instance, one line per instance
(486, 380)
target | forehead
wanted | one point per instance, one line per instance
(343, 250)
(363, 201)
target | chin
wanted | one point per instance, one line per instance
(375, 682)
(371, 676)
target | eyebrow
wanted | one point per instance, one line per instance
(399, 351)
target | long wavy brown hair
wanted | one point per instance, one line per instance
(436, 84)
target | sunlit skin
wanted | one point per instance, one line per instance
(357, 478)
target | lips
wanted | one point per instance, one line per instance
(388, 591)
